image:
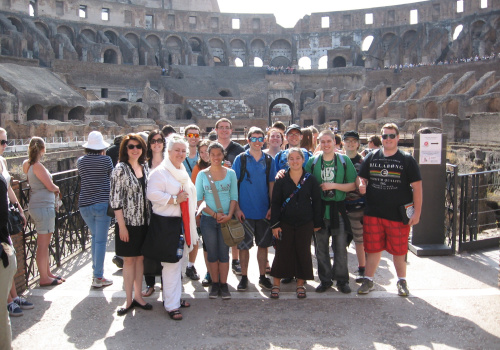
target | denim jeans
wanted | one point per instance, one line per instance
(98, 222)
(339, 271)
(217, 250)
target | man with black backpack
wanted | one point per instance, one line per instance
(255, 171)
(336, 175)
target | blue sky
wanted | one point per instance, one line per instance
(288, 12)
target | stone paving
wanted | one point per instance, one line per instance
(454, 304)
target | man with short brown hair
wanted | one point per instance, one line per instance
(393, 185)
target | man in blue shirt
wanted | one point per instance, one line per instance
(293, 136)
(255, 171)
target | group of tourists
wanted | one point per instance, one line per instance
(168, 192)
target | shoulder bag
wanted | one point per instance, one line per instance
(15, 221)
(232, 231)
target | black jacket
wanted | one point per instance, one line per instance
(305, 205)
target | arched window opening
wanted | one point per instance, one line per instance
(305, 63)
(339, 61)
(365, 46)
(323, 62)
(257, 62)
(238, 62)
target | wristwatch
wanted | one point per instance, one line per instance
(175, 199)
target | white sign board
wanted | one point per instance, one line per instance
(430, 148)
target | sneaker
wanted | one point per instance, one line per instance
(207, 280)
(214, 292)
(287, 280)
(243, 285)
(366, 286)
(191, 273)
(265, 283)
(360, 275)
(23, 303)
(14, 310)
(403, 288)
(323, 287)
(236, 267)
(118, 261)
(344, 287)
(101, 282)
(224, 292)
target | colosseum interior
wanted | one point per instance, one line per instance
(69, 67)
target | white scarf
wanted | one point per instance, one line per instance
(187, 185)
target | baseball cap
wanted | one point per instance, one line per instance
(351, 133)
(293, 127)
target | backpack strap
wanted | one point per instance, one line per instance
(243, 170)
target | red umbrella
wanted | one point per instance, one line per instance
(185, 221)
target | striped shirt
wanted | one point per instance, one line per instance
(95, 171)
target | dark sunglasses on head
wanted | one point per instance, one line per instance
(156, 141)
(389, 136)
(255, 139)
(193, 135)
(4, 142)
(134, 146)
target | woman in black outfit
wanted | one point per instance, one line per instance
(294, 222)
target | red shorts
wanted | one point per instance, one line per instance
(382, 234)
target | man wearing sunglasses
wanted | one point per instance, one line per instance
(193, 137)
(391, 180)
(253, 210)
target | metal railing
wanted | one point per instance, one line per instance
(70, 234)
(472, 218)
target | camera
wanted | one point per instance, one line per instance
(329, 194)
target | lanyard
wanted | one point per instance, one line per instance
(294, 192)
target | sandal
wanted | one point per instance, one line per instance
(175, 315)
(301, 292)
(184, 303)
(148, 291)
(274, 294)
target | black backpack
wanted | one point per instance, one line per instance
(243, 169)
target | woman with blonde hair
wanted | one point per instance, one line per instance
(275, 139)
(41, 208)
(307, 139)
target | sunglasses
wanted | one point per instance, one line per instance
(4, 142)
(134, 146)
(193, 135)
(155, 141)
(389, 136)
(255, 139)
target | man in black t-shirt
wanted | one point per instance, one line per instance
(391, 180)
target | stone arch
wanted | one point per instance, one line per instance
(89, 34)
(134, 112)
(339, 61)
(493, 105)
(258, 47)
(133, 39)
(110, 56)
(16, 23)
(188, 115)
(225, 93)
(195, 44)
(410, 46)
(77, 113)
(153, 113)
(323, 62)
(412, 111)
(476, 30)
(154, 40)
(237, 44)
(112, 36)
(278, 101)
(66, 30)
(56, 113)
(452, 107)
(280, 61)
(116, 115)
(174, 46)
(281, 47)
(35, 112)
(304, 62)
(238, 50)
(43, 28)
(367, 43)
(217, 49)
(257, 62)
(390, 48)
(321, 115)
(431, 110)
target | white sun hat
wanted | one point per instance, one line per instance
(95, 141)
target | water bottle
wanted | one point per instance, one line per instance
(180, 247)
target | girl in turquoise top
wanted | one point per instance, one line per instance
(227, 188)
